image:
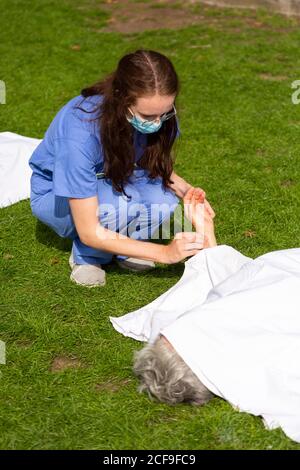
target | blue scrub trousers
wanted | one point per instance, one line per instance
(138, 217)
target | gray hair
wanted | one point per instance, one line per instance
(163, 374)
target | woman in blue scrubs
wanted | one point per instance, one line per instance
(103, 174)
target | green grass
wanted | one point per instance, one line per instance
(239, 141)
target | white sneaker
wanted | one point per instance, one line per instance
(71, 260)
(135, 264)
(89, 275)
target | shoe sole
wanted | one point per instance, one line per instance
(133, 269)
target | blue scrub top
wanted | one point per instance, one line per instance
(70, 155)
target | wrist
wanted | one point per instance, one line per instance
(186, 188)
(162, 255)
(210, 241)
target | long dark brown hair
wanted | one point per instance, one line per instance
(138, 74)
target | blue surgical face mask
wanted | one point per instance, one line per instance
(146, 127)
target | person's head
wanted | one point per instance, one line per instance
(164, 375)
(143, 88)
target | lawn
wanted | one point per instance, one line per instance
(67, 382)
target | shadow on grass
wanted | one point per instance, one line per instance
(172, 270)
(46, 236)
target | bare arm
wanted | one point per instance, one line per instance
(91, 233)
(180, 186)
(202, 220)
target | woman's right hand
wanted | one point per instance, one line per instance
(184, 244)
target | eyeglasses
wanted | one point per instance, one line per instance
(163, 117)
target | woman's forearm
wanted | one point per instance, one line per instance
(180, 186)
(114, 242)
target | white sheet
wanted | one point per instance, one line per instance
(201, 272)
(240, 333)
(15, 173)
